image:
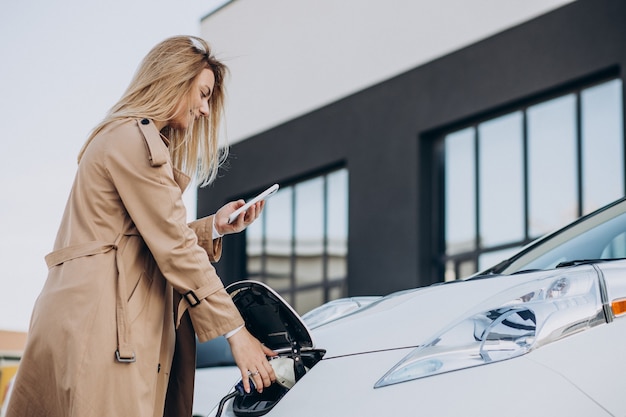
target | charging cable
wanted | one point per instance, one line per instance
(285, 371)
(238, 391)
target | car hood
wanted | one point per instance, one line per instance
(410, 318)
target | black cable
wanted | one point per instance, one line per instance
(220, 408)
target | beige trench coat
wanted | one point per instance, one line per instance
(103, 331)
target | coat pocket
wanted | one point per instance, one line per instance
(139, 296)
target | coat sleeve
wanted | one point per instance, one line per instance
(153, 200)
(204, 232)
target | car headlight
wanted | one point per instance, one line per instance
(515, 322)
(336, 309)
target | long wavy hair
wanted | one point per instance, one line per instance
(163, 79)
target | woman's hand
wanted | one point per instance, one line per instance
(251, 358)
(244, 220)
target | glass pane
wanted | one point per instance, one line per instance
(337, 292)
(254, 267)
(501, 199)
(489, 259)
(309, 269)
(337, 266)
(286, 296)
(616, 248)
(337, 206)
(308, 299)
(278, 216)
(460, 191)
(466, 268)
(279, 222)
(310, 217)
(337, 212)
(449, 273)
(309, 236)
(552, 165)
(277, 275)
(602, 145)
(254, 246)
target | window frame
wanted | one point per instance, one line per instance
(438, 137)
(332, 288)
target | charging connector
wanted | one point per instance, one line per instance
(285, 371)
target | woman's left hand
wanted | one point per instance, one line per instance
(244, 220)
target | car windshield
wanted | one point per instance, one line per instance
(599, 235)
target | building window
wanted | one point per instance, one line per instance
(512, 178)
(299, 245)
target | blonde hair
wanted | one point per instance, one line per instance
(163, 79)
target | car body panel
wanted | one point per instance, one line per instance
(594, 361)
(211, 384)
(216, 372)
(493, 392)
(344, 387)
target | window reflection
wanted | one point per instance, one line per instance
(460, 183)
(278, 219)
(501, 174)
(487, 259)
(309, 233)
(602, 145)
(552, 165)
(254, 247)
(299, 243)
(337, 227)
(277, 240)
(616, 248)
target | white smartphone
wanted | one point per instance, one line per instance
(264, 195)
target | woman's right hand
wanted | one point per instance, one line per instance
(244, 220)
(251, 358)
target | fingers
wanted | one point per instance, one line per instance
(270, 376)
(268, 352)
(262, 377)
(253, 213)
(222, 215)
(246, 218)
(251, 359)
(253, 376)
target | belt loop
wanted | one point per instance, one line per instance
(128, 358)
(124, 352)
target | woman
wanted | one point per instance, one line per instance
(130, 284)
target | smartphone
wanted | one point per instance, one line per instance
(265, 194)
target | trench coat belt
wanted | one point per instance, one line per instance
(124, 352)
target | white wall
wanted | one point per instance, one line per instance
(290, 57)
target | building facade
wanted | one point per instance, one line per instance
(440, 164)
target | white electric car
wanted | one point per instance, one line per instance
(541, 334)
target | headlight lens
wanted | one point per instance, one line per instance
(515, 322)
(336, 309)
